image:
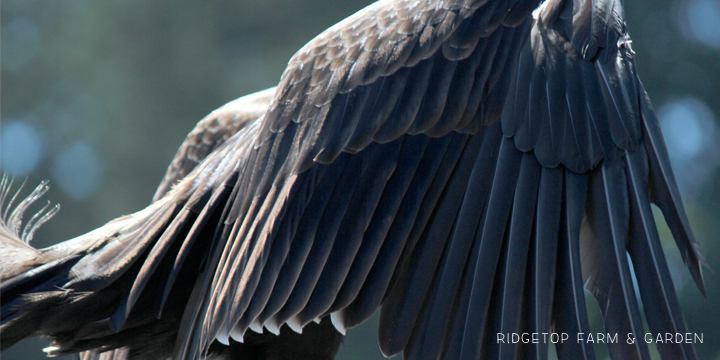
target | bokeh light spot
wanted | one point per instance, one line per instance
(21, 148)
(682, 129)
(699, 21)
(691, 136)
(78, 171)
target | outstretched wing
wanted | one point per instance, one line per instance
(464, 165)
(211, 132)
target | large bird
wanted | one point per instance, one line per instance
(466, 167)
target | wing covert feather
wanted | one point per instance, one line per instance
(376, 175)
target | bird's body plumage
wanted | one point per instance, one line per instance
(466, 166)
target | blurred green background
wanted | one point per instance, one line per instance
(97, 96)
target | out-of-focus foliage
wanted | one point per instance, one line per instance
(97, 96)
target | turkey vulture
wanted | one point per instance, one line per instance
(467, 167)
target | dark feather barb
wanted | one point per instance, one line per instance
(464, 167)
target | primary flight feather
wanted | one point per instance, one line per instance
(467, 168)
